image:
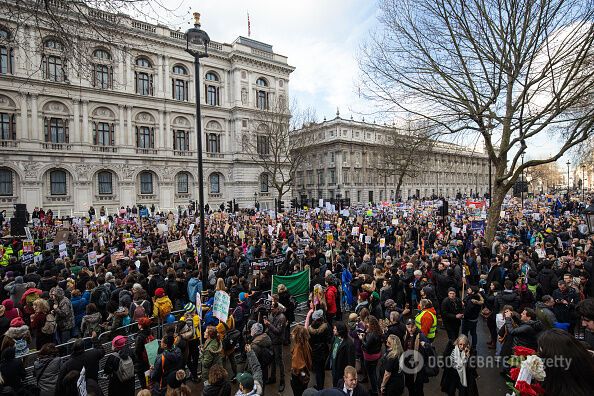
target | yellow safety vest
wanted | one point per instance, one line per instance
(5, 259)
(433, 328)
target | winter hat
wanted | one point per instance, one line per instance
(319, 314)
(17, 322)
(118, 342)
(242, 296)
(364, 296)
(246, 380)
(256, 330)
(160, 292)
(144, 322)
(189, 307)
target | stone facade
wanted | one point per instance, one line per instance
(124, 132)
(343, 158)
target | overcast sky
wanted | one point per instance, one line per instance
(321, 38)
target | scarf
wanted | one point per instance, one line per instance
(459, 361)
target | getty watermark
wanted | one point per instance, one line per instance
(412, 362)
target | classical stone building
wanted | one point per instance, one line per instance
(343, 160)
(117, 127)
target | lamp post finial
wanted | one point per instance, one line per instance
(196, 19)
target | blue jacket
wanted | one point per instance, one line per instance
(194, 286)
(78, 306)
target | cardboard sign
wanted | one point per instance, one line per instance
(367, 240)
(260, 264)
(382, 242)
(329, 238)
(355, 231)
(61, 236)
(28, 233)
(177, 246)
(220, 307)
(369, 232)
(92, 258)
(241, 234)
(28, 246)
(117, 256)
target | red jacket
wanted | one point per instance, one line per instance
(331, 299)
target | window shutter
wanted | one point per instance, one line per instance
(94, 77)
(186, 91)
(174, 141)
(151, 84)
(173, 88)
(218, 100)
(95, 140)
(136, 83)
(187, 138)
(112, 135)
(152, 144)
(46, 127)
(110, 78)
(137, 137)
(13, 127)
(66, 134)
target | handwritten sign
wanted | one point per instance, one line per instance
(177, 246)
(92, 258)
(28, 246)
(220, 307)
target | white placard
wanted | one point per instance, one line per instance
(92, 258)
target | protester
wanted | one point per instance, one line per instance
(391, 375)
(342, 353)
(120, 367)
(46, 369)
(218, 384)
(459, 376)
(301, 360)
(319, 336)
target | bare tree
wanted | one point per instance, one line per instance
(545, 176)
(405, 152)
(510, 71)
(272, 144)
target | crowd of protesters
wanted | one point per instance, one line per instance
(385, 280)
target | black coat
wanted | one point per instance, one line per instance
(12, 369)
(358, 391)
(87, 359)
(450, 376)
(221, 388)
(345, 356)
(547, 280)
(449, 310)
(112, 364)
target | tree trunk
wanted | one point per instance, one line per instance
(398, 186)
(280, 197)
(494, 213)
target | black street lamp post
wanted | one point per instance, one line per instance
(583, 184)
(568, 163)
(522, 189)
(197, 38)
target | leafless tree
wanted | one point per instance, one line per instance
(405, 152)
(272, 144)
(510, 71)
(545, 176)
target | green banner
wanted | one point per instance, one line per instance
(298, 285)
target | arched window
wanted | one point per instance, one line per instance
(6, 182)
(261, 95)
(53, 63)
(179, 69)
(213, 143)
(6, 53)
(58, 182)
(102, 69)
(212, 89)
(182, 183)
(264, 182)
(146, 183)
(261, 82)
(210, 76)
(142, 78)
(215, 183)
(105, 182)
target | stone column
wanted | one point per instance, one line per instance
(86, 135)
(166, 83)
(23, 130)
(235, 99)
(35, 119)
(130, 71)
(129, 139)
(160, 131)
(121, 131)
(76, 131)
(167, 131)
(158, 77)
(122, 70)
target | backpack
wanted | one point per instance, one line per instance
(138, 311)
(164, 309)
(100, 297)
(148, 339)
(125, 298)
(125, 371)
(50, 324)
(265, 356)
(188, 332)
(231, 339)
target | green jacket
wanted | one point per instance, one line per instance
(211, 354)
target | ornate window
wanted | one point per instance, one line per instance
(215, 183)
(102, 69)
(212, 89)
(103, 134)
(6, 182)
(263, 144)
(182, 183)
(145, 137)
(180, 83)
(146, 183)
(7, 126)
(264, 182)
(53, 63)
(105, 180)
(213, 143)
(181, 140)
(6, 52)
(56, 130)
(143, 77)
(261, 94)
(58, 182)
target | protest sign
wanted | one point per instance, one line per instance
(329, 238)
(151, 350)
(117, 256)
(367, 240)
(61, 236)
(62, 249)
(241, 234)
(191, 229)
(37, 259)
(92, 258)
(177, 246)
(260, 264)
(199, 305)
(27, 258)
(220, 307)
(81, 382)
(28, 246)
(28, 233)
(355, 231)
(382, 242)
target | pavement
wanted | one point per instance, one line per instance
(489, 382)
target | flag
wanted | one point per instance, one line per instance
(297, 285)
(249, 26)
